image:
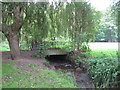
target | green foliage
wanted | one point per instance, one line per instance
(81, 58)
(109, 22)
(77, 21)
(65, 44)
(85, 47)
(24, 45)
(103, 66)
(8, 14)
(83, 20)
(107, 29)
(39, 54)
(4, 46)
(103, 71)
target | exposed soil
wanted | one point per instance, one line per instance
(26, 59)
(57, 62)
(80, 73)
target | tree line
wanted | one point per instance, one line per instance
(41, 21)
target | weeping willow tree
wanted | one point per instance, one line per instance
(76, 21)
(83, 21)
(57, 29)
(45, 22)
(36, 24)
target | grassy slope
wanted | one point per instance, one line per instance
(43, 78)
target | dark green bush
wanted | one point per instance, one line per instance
(39, 54)
(103, 71)
(102, 67)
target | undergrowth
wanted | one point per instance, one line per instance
(103, 67)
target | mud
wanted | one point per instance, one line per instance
(79, 73)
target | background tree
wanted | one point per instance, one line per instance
(83, 21)
(107, 29)
(115, 14)
(109, 24)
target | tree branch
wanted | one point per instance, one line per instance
(7, 12)
(18, 18)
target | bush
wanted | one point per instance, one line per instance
(39, 54)
(102, 67)
(103, 71)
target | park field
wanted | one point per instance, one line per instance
(104, 45)
(92, 45)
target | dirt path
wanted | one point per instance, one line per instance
(25, 61)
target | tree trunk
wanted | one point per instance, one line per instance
(12, 31)
(14, 46)
(34, 45)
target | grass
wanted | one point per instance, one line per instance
(4, 46)
(8, 68)
(104, 53)
(43, 78)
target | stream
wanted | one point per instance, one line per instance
(59, 62)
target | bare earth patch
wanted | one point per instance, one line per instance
(25, 61)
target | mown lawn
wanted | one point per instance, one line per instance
(104, 53)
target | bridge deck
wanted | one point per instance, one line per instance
(55, 52)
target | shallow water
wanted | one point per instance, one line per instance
(82, 78)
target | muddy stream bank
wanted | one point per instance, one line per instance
(59, 62)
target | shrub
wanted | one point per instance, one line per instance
(103, 71)
(39, 54)
(102, 67)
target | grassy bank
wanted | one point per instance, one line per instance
(41, 78)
